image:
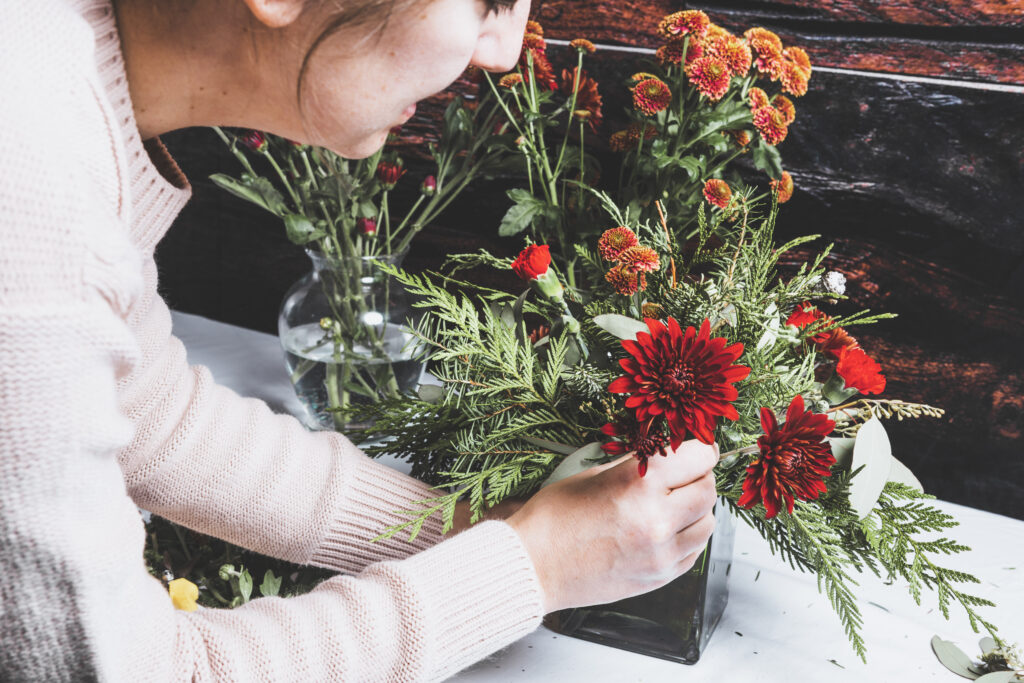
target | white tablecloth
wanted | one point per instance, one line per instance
(776, 628)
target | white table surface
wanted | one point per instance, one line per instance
(776, 628)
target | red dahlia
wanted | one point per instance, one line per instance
(860, 372)
(829, 341)
(793, 462)
(642, 439)
(687, 377)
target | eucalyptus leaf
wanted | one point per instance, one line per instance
(998, 677)
(576, 462)
(987, 644)
(431, 393)
(901, 474)
(872, 452)
(842, 451)
(619, 325)
(953, 658)
(728, 314)
(552, 446)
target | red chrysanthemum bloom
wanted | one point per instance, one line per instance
(794, 78)
(651, 96)
(543, 72)
(687, 22)
(710, 76)
(687, 377)
(254, 140)
(389, 173)
(717, 192)
(859, 371)
(794, 460)
(588, 99)
(639, 259)
(510, 80)
(828, 337)
(532, 262)
(625, 282)
(733, 51)
(615, 241)
(583, 45)
(786, 106)
(799, 56)
(534, 27)
(771, 124)
(642, 439)
(758, 99)
(784, 187)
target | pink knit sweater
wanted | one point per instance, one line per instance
(99, 412)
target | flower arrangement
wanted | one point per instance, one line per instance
(668, 339)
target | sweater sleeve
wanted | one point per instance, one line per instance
(229, 467)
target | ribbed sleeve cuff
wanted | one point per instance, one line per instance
(480, 592)
(373, 498)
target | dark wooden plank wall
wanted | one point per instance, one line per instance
(908, 153)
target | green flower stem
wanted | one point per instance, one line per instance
(284, 179)
(234, 150)
(572, 108)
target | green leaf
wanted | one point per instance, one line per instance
(842, 451)
(953, 658)
(620, 325)
(998, 677)
(245, 585)
(300, 229)
(575, 463)
(552, 446)
(431, 393)
(519, 216)
(987, 644)
(271, 585)
(873, 452)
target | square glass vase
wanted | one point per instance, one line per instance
(674, 622)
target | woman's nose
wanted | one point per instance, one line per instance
(501, 38)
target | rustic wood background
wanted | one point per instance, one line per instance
(908, 153)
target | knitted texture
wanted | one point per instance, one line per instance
(99, 412)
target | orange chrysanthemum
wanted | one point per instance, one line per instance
(619, 141)
(671, 53)
(733, 51)
(636, 131)
(794, 78)
(687, 377)
(784, 187)
(799, 56)
(717, 192)
(543, 72)
(510, 80)
(534, 27)
(588, 99)
(615, 241)
(740, 137)
(639, 259)
(651, 96)
(785, 105)
(827, 337)
(687, 22)
(771, 124)
(793, 462)
(532, 41)
(758, 98)
(624, 282)
(641, 76)
(710, 76)
(767, 48)
(649, 309)
(583, 45)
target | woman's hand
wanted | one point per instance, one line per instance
(608, 533)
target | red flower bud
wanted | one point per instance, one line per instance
(389, 173)
(429, 185)
(254, 140)
(532, 262)
(367, 226)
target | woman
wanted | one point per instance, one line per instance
(99, 411)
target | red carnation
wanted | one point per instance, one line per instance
(642, 439)
(687, 377)
(389, 173)
(532, 262)
(794, 460)
(860, 372)
(829, 341)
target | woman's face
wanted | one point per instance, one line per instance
(359, 86)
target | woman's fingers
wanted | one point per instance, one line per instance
(690, 462)
(692, 540)
(687, 504)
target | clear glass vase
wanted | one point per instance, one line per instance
(673, 622)
(342, 328)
